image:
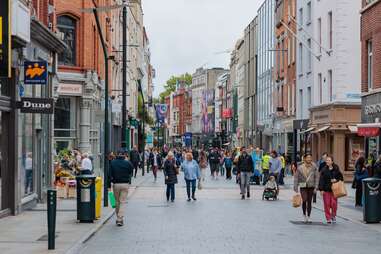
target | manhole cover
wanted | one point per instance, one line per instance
(312, 223)
(45, 237)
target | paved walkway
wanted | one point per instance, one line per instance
(219, 222)
(27, 233)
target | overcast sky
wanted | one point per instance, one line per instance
(186, 34)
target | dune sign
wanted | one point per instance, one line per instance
(35, 72)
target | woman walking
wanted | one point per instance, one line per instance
(329, 174)
(170, 173)
(306, 180)
(155, 161)
(228, 162)
(191, 175)
(360, 174)
(203, 165)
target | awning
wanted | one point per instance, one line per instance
(322, 129)
(308, 130)
(369, 129)
(352, 128)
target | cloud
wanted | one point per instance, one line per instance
(186, 34)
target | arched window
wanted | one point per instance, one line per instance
(68, 27)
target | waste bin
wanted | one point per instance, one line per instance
(372, 200)
(85, 198)
(98, 197)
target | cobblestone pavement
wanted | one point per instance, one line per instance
(219, 222)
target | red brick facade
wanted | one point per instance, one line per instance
(89, 53)
(371, 30)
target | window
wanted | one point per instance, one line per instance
(300, 59)
(330, 85)
(309, 97)
(319, 34)
(309, 14)
(301, 100)
(309, 57)
(370, 65)
(330, 28)
(68, 27)
(300, 18)
(288, 100)
(289, 49)
(320, 84)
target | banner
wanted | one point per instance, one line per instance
(35, 72)
(5, 39)
(207, 110)
(161, 112)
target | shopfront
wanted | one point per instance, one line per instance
(333, 130)
(370, 124)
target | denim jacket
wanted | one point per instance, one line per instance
(191, 170)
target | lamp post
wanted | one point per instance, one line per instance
(124, 80)
(143, 123)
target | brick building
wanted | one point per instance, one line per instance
(284, 75)
(81, 76)
(371, 75)
(177, 116)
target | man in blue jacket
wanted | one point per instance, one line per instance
(121, 171)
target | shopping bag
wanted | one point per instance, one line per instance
(339, 189)
(111, 198)
(297, 200)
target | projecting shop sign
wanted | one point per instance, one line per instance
(36, 105)
(35, 72)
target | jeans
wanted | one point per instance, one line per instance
(120, 193)
(245, 178)
(359, 193)
(28, 180)
(330, 205)
(281, 177)
(307, 195)
(189, 183)
(171, 191)
(228, 172)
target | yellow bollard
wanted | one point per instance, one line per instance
(98, 197)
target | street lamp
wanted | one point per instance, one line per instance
(143, 122)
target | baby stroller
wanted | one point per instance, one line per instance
(271, 190)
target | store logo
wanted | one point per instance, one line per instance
(372, 109)
(35, 73)
(36, 105)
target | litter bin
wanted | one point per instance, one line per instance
(372, 200)
(98, 197)
(85, 198)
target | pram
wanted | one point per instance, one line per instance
(271, 190)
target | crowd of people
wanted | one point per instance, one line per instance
(249, 165)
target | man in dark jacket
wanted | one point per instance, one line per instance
(245, 167)
(214, 161)
(121, 171)
(135, 159)
(155, 161)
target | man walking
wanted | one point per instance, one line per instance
(265, 167)
(135, 159)
(245, 170)
(121, 171)
(214, 161)
(275, 165)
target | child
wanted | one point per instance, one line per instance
(271, 185)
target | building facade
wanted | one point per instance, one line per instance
(371, 76)
(265, 84)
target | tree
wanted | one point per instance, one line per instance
(147, 119)
(170, 86)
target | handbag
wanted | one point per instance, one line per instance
(338, 189)
(111, 197)
(297, 200)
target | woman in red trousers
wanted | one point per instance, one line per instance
(330, 174)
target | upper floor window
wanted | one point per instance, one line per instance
(370, 65)
(300, 17)
(330, 28)
(68, 27)
(309, 13)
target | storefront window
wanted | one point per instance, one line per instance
(356, 149)
(1, 163)
(27, 154)
(67, 26)
(65, 123)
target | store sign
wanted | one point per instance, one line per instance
(36, 105)
(70, 89)
(5, 39)
(227, 113)
(368, 131)
(372, 109)
(35, 72)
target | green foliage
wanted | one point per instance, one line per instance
(170, 85)
(147, 119)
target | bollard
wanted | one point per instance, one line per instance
(52, 209)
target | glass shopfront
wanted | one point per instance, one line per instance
(65, 116)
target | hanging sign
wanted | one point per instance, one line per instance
(35, 72)
(5, 39)
(36, 105)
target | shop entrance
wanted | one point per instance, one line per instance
(5, 167)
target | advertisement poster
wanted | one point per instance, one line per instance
(207, 111)
(161, 112)
(35, 72)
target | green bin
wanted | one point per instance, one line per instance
(371, 188)
(86, 198)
